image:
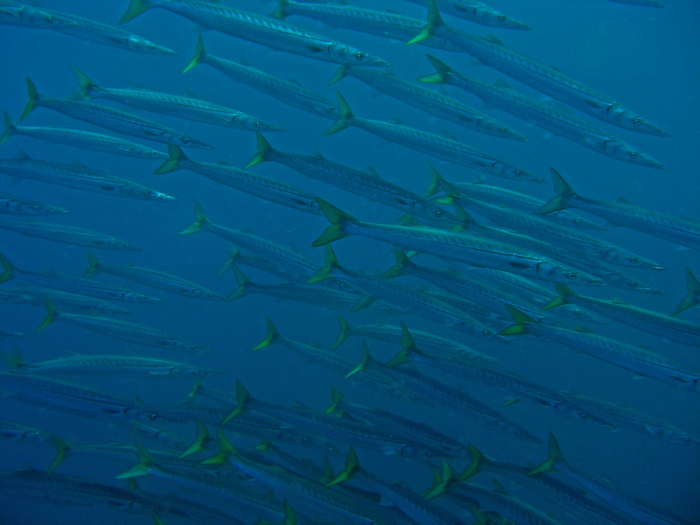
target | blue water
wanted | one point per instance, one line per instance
(645, 58)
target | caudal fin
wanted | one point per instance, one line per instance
(693, 296)
(563, 197)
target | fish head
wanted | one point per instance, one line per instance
(152, 195)
(141, 45)
(496, 129)
(345, 54)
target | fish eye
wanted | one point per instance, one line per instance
(634, 154)
(196, 372)
(503, 130)
(186, 140)
(153, 416)
(486, 333)
(571, 275)
(501, 18)
(520, 433)
(36, 207)
(518, 173)
(148, 193)
(413, 397)
(637, 121)
(306, 440)
(633, 260)
(439, 213)
(585, 415)
(578, 221)
(429, 455)
(359, 56)
(258, 124)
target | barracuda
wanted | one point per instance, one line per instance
(288, 92)
(639, 360)
(544, 116)
(110, 365)
(130, 332)
(624, 213)
(549, 231)
(151, 277)
(507, 381)
(411, 503)
(430, 101)
(13, 205)
(367, 184)
(545, 79)
(429, 342)
(74, 285)
(76, 398)
(470, 249)
(78, 176)
(418, 302)
(66, 301)
(260, 29)
(81, 139)
(263, 187)
(449, 397)
(656, 323)
(114, 119)
(477, 12)
(437, 146)
(83, 28)
(329, 360)
(173, 105)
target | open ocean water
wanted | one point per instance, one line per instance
(645, 58)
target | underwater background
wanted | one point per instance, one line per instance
(647, 59)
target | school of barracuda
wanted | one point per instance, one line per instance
(425, 408)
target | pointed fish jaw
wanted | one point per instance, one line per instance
(355, 57)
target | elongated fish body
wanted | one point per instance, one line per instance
(69, 302)
(545, 79)
(380, 23)
(23, 433)
(283, 256)
(477, 12)
(129, 332)
(260, 29)
(151, 277)
(471, 249)
(437, 146)
(85, 29)
(73, 285)
(9, 334)
(289, 93)
(557, 491)
(367, 184)
(74, 397)
(116, 365)
(638, 360)
(82, 139)
(430, 101)
(13, 205)
(417, 302)
(555, 234)
(332, 361)
(174, 105)
(665, 326)
(314, 294)
(110, 118)
(78, 176)
(624, 213)
(70, 235)
(544, 116)
(429, 342)
(515, 199)
(248, 182)
(455, 399)
(459, 284)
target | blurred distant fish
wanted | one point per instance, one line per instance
(548, 80)
(114, 119)
(173, 105)
(477, 12)
(78, 176)
(12, 205)
(258, 28)
(438, 146)
(69, 235)
(623, 213)
(6, 334)
(501, 96)
(644, 3)
(17, 14)
(130, 332)
(82, 139)
(69, 302)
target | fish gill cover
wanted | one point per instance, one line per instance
(435, 284)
